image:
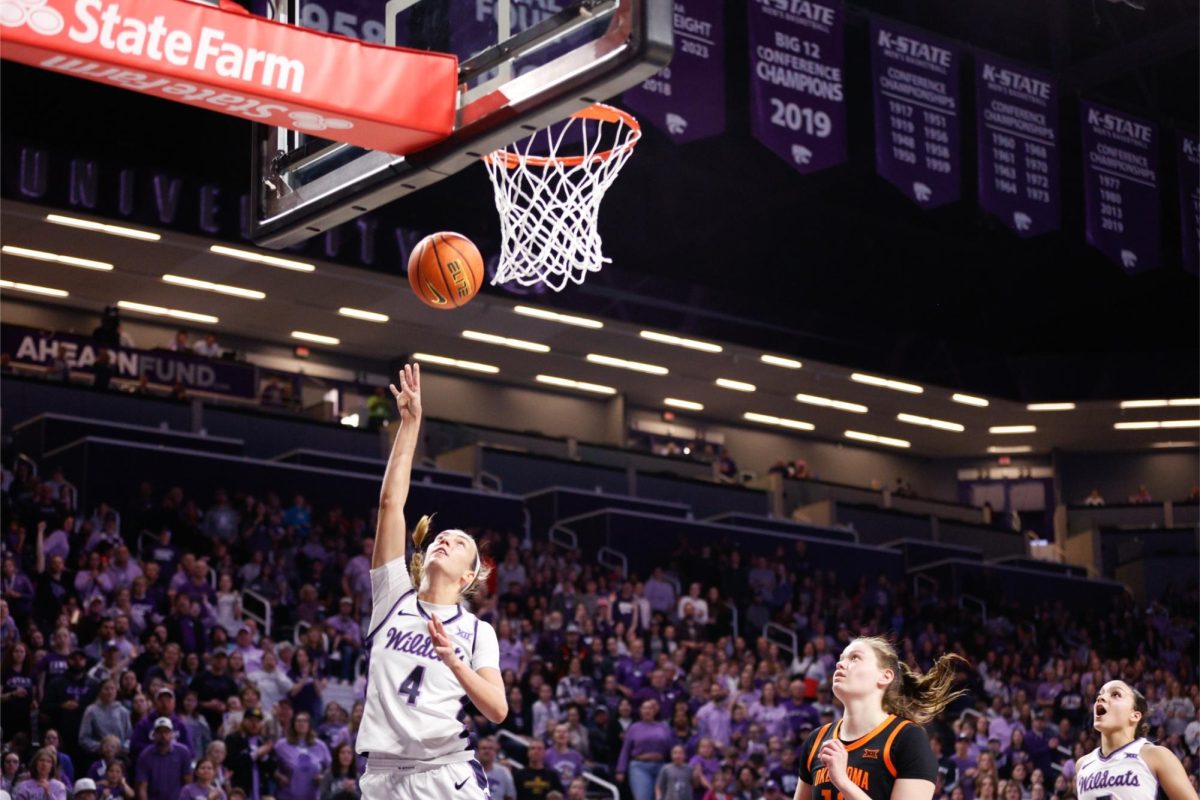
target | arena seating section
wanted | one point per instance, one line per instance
(930, 573)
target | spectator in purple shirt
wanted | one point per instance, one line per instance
(16, 587)
(647, 746)
(660, 594)
(302, 758)
(164, 767)
(345, 638)
(164, 708)
(568, 763)
(714, 718)
(43, 782)
(634, 669)
(202, 786)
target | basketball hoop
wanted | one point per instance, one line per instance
(549, 204)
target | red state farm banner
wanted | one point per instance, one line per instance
(383, 98)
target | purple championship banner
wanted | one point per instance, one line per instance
(163, 367)
(1120, 185)
(1018, 138)
(798, 108)
(686, 100)
(917, 127)
(1188, 152)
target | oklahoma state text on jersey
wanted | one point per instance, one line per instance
(897, 748)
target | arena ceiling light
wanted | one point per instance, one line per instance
(969, 400)
(457, 363)
(1007, 429)
(365, 316)
(554, 316)
(886, 383)
(1163, 445)
(260, 258)
(55, 258)
(689, 405)
(219, 288)
(780, 361)
(33, 289)
(621, 363)
(505, 341)
(159, 311)
(737, 386)
(680, 341)
(874, 439)
(1155, 424)
(1016, 448)
(930, 422)
(583, 386)
(1050, 407)
(316, 338)
(826, 402)
(101, 227)
(782, 422)
(1182, 401)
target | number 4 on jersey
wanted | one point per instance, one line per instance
(412, 685)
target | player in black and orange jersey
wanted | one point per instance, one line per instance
(877, 751)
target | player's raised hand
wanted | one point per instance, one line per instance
(408, 396)
(441, 641)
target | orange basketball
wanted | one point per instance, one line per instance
(445, 270)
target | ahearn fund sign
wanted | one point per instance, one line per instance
(162, 367)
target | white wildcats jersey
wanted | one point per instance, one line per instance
(415, 707)
(1122, 775)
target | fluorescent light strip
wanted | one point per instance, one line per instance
(1175, 444)
(55, 258)
(679, 341)
(1153, 425)
(209, 286)
(779, 361)
(874, 439)
(840, 405)
(472, 366)
(1003, 429)
(635, 366)
(174, 313)
(783, 422)
(969, 400)
(504, 341)
(1182, 401)
(316, 338)
(737, 386)
(929, 422)
(886, 383)
(690, 405)
(100, 227)
(366, 316)
(1017, 448)
(259, 258)
(1050, 407)
(33, 289)
(583, 386)
(554, 316)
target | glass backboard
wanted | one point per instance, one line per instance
(523, 65)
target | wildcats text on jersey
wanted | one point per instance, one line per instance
(1107, 780)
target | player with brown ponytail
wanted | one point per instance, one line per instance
(877, 751)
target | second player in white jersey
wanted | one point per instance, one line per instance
(1126, 765)
(429, 658)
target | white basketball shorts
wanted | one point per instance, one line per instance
(386, 780)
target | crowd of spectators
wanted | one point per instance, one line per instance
(131, 667)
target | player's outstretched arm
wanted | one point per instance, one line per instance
(1172, 778)
(390, 530)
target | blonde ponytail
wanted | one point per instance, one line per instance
(911, 694)
(416, 566)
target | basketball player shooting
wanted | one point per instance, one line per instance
(429, 656)
(1126, 765)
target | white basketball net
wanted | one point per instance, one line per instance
(549, 204)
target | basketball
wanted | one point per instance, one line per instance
(445, 270)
